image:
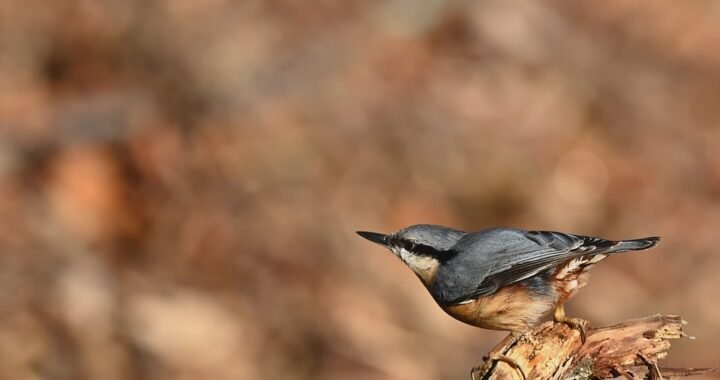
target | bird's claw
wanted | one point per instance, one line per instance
(479, 372)
(577, 324)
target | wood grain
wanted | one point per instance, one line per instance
(629, 349)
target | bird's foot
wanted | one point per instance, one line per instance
(478, 373)
(498, 355)
(577, 324)
(573, 323)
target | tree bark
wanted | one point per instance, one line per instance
(555, 351)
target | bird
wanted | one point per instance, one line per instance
(502, 278)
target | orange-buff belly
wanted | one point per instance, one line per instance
(511, 308)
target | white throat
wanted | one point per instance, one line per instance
(418, 263)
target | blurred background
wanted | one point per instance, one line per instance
(180, 181)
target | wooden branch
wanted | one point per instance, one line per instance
(554, 351)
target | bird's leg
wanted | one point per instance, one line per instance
(504, 346)
(575, 323)
(498, 354)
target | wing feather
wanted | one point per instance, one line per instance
(490, 259)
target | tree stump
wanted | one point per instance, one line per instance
(554, 351)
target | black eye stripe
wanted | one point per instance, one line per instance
(416, 248)
(419, 249)
(425, 250)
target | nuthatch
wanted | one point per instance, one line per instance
(502, 278)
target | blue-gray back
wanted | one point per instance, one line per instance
(481, 262)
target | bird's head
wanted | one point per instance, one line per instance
(422, 247)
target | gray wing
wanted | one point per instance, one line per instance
(490, 259)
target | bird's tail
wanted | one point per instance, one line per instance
(603, 246)
(635, 244)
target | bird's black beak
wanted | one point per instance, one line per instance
(374, 237)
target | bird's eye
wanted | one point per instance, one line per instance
(410, 246)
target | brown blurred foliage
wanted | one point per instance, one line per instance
(180, 181)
